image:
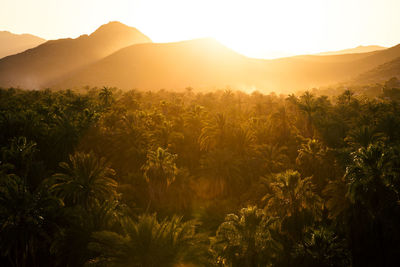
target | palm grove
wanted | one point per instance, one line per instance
(110, 178)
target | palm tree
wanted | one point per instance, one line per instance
(70, 246)
(367, 175)
(166, 136)
(163, 134)
(194, 119)
(159, 171)
(106, 96)
(246, 239)
(180, 193)
(27, 221)
(345, 97)
(221, 170)
(84, 180)
(363, 137)
(214, 133)
(262, 129)
(310, 160)
(273, 158)
(20, 155)
(291, 199)
(65, 134)
(193, 123)
(243, 140)
(128, 142)
(337, 199)
(150, 243)
(309, 106)
(322, 248)
(282, 123)
(374, 210)
(389, 125)
(290, 194)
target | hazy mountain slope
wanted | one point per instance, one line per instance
(108, 58)
(379, 74)
(336, 58)
(208, 64)
(358, 49)
(11, 43)
(313, 71)
(200, 63)
(35, 67)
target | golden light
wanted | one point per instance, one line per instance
(257, 28)
(254, 28)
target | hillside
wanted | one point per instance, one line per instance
(11, 43)
(121, 56)
(200, 63)
(379, 74)
(356, 50)
(35, 67)
(206, 64)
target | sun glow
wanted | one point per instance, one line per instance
(271, 29)
(256, 28)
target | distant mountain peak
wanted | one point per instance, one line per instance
(7, 34)
(113, 23)
(356, 50)
(11, 43)
(113, 27)
(116, 30)
(58, 57)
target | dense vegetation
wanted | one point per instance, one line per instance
(111, 178)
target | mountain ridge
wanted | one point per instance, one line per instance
(355, 50)
(203, 63)
(11, 43)
(118, 55)
(33, 68)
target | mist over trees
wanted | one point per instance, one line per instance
(103, 177)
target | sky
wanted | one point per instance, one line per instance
(265, 29)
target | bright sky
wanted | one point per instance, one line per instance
(268, 28)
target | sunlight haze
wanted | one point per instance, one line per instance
(209, 133)
(265, 29)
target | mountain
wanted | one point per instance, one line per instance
(11, 43)
(356, 50)
(121, 56)
(201, 63)
(205, 63)
(379, 74)
(35, 67)
(303, 72)
(315, 71)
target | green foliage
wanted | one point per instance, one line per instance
(159, 172)
(290, 195)
(247, 239)
(80, 172)
(27, 219)
(322, 248)
(148, 242)
(84, 180)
